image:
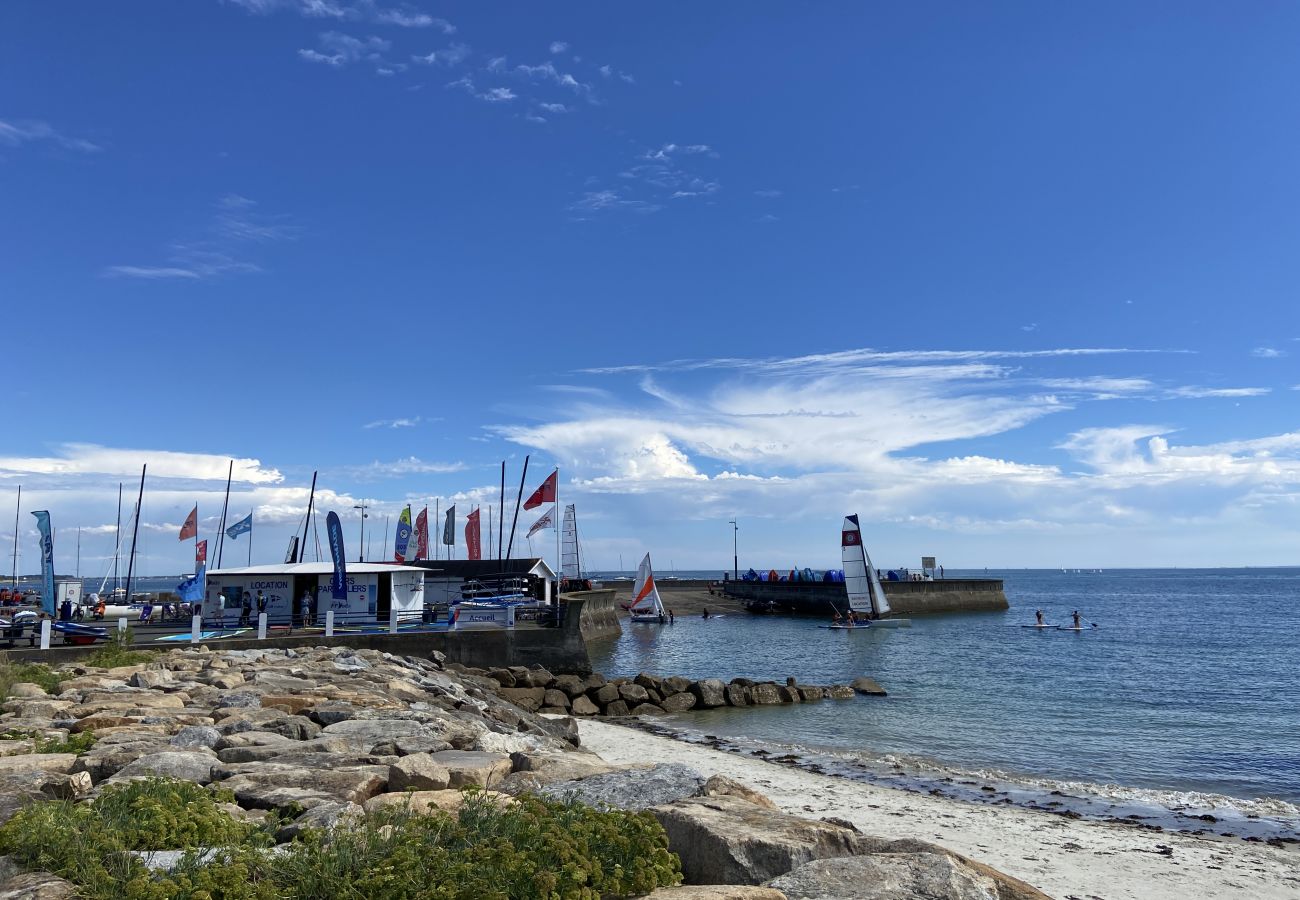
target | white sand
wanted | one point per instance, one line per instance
(1063, 857)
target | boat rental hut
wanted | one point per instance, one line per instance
(374, 591)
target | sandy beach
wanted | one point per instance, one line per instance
(1063, 857)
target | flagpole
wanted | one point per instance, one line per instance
(250, 537)
(437, 516)
(17, 509)
(225, 504)
(501, 523)
(489, 556)
(135, 534)
(559, 520)
(384, 552)
(117, 537)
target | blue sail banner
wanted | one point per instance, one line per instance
(243, 526)
(403, 541)
(339, 581)
(48, 597)
(191, 589)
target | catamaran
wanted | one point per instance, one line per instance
(866, 597)
(646, 605)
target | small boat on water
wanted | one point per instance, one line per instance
(867, 599)
(646, 605)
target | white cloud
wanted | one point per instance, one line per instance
(93, 459)
(553, 107)
(406, 422)
(410, 465)
(558, 46)
(339, 49)
(451, 56)
(768, 218)
(235, 227)
(351, 11)
(606, 200)
(1200, 392)
(1267, 353)
(17, 133)
(768, 194)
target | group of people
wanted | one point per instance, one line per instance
(849, 619)
(1078, 620)
(248, 603)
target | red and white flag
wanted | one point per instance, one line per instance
(201, 553)
(191, 527)
(473, 537)
(545, 493)
(546, 521)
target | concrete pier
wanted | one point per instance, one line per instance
(908, 598)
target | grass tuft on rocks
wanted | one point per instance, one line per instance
(116, 651)
(532, 849)
(34, 673)
(72, 743)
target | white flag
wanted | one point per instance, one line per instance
(544, 522)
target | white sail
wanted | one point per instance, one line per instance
(646, 604)
(570, 568)
(856, 580)
(879, 602)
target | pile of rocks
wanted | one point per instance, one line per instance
(333, 734)
(538, 690)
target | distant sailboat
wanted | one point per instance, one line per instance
(646, 605)
(570, 562)
(866, 596)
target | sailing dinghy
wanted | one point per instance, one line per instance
(866, 596)
(646, 605)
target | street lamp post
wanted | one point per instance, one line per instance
(361, 548)
(735, 549)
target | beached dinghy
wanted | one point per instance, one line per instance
(646, 605)
(866, 596)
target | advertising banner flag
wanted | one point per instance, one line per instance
(402, 544)
(449, 527)
(191, 527)
(243, 526)
(422, 534)
(201, 553)
(339, 581)
(546, 521)
(473, 536)
(545, 493)
(48, 597)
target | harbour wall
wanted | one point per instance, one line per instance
(906, 597)
(599, 616)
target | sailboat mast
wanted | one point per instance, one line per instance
(501, 521)
(117, 536)
(518, 497)
(78, 552)
(311, 501)
(17, 509)
(225, 504)
(135, 534)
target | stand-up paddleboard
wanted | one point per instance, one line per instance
(1044, 627)
(1080, 628)
(847, 627)
(713, 616)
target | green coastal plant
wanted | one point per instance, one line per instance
(117, 651)
(72, 743)
(33, 673)
(532, 849)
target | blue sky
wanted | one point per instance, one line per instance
(1015, 282)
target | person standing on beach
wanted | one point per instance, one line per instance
(305, 605)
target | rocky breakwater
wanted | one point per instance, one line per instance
(327, 739)
(537, 690)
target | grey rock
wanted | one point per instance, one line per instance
(332, 711)
(151, 678)
(887, 876)
(737, 695)
(556, 699)
(192, 766)
(648, 709)
(572, 685)
(729, 840)
(584, 707)
(529, 698)
(240, 699)
(868, 686)
(418, 772)
(633, 694)
(679, 702)
(37, 886)
(324, 817)
(468, 768)
(605, 694)
(275, 787)
(192, 737)
(710, 693)
(765, 694)
(617, 708)
(632, 789)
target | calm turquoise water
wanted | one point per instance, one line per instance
(1183, 698)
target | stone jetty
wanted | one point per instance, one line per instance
(328, 736)
(537, 690)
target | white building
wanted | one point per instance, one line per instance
(374, 590)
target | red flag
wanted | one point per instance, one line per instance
(545, 493)
(191, 527)
(473, 537)
(201, 553)
(422, 534)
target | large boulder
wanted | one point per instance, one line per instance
(529, 698)
(710, 692)
(535, 770)
(680, 702)
(422, 802)
(274, 786)
(471, 768)
(889, 876)
(868, 686)
(192, 737)
(26, 763)
(418, 772)
(37, 886)
(715, 892)
(195, 766)
(582, 706)
(366, 733)
(631, 788)
(765, 694)
(730, 840)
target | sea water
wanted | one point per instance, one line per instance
(1180, 704)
